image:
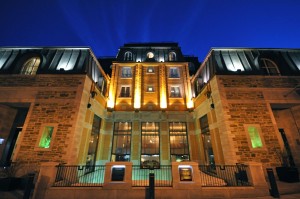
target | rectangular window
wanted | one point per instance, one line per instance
(253, 132)
(175, 91)
(179, 147)
(47, 134)
(126, 72)
(150, 69)
(204, 124)
(93, 143)
(174, 72)
(125, 91)
(150, 145)
(207, 141)
(150, 89)
(121, 141)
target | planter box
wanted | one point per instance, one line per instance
(287, 174)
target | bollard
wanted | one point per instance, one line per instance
(151, 186)
(274, 190)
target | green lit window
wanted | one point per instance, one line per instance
(46, 137)
(254, 135)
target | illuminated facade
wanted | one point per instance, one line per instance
(154, 107)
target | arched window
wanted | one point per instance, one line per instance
(128, 56)
(172, 56)
(30, 66)
(269, 67)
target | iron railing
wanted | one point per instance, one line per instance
(93, 176)
(224, 175)
(162, 176)
(79, 176)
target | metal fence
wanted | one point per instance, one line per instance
(224, 175)
(162, 176)
(79, 176)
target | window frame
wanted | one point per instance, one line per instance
(126, 72)
(146, 133)
(40, 136)
(125, 93)
(171, 95)
(128, 56)
(148, 68)
(183, 132)
(172, 56)
(126, 133)
(172, 74)
(258, 127)
(150, 91)
(33, 67)
(269, 69)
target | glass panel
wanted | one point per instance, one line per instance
(30, 66)
(256, 141)
(150, 70)
(150, 144)
(174, 73)
(121, 141)
(178, 141)
(93, 143)
(125, 91)
(175, 92)
(46, 137)
(126, 72)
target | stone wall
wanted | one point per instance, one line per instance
(248, 100)
(54, 99)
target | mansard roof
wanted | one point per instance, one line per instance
(53, 60)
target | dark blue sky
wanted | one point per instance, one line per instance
(105, 25)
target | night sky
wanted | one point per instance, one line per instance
(105, 25)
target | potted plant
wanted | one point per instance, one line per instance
(286, 172)
(8, 179)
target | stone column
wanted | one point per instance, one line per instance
(45, 179)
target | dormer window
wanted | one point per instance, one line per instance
(150, 55)
(128, 56)
(172, 56)
(269, 67)
(30, 66)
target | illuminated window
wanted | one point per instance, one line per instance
(172, 56)
(150, 89)
(47, 134)
(179, 147)
(121, 141)
(30, 66)
(150, 55)
(175, 91)
(125, 91)
(150, 70)
(150, 145)
(253, 132)
(128, 56)
(269, 67)
(126, 72)
(174, 72)
(93, 144)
